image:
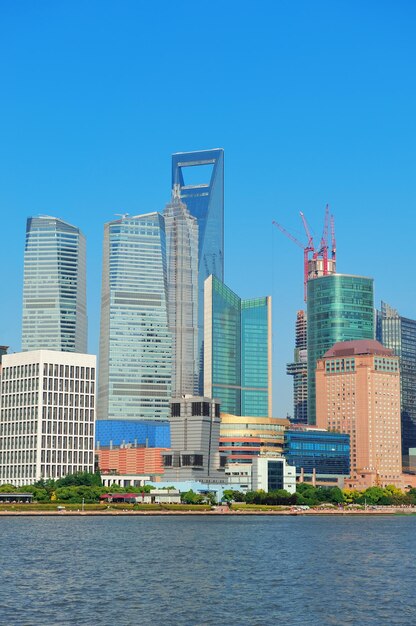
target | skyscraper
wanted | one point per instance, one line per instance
(358, 393)
(54, 287)
(237, 355)
(135, 342)
(299, 370)
(182, 258)
(340, 308)
(203, 194)
(399, 334)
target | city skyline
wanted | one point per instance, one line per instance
(299, 130)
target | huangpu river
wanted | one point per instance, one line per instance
(183, 570)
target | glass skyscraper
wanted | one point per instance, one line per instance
(54, 287)
(182, 255)
(237, 355)
(135, 342)
(203, 194)
(399, 334)
(340, 308)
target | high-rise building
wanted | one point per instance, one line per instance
(200, 176)
(358, 393)
(47, 415)
(135, 342)
(340, 308)
(54, 287)
(195, 433)
(299, 370)
(399, 334)
(182, 257)
(238, 350)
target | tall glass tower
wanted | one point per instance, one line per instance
(237, 357)
(299, 370)
(54, 287)
(135, 342)
(399, 334)
(182, 254)
(340, 308)
(200, 176)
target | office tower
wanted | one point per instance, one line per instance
(399, 334)
(135, 342)
(299, 370)
(200, 176)
(358, 392)
(340, 308)
(242, 438)
(195, 434)
(320, 456)
(238, 350)
(54, 287)
(182, 259)
(47, 415)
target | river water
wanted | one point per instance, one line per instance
(183, 570)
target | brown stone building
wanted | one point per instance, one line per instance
(358, 392)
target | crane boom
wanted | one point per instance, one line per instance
(288, 234)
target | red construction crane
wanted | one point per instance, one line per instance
(306, 249)
(321, 252)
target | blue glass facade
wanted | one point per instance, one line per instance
(237, 360)
(326, 452)
(153, 434)
(205, 201)
(340, 308)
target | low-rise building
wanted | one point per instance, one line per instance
(242, 437)
(270, 473)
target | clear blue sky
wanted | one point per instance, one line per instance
(313, 102)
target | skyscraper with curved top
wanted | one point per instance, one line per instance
(200, 176)
(135, 342)
(54, 287)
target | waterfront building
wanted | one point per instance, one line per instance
(130, 461)
(195, 433)
(54, 287)
(238, 350)
(320, 456)
(135, 342)
(152, 434)
(243, 438)
(358, 393)
(182, 255)
(299, 370)
(200, 176)
(399, 334)
(340, 308)
(272, 472)
(47, 415)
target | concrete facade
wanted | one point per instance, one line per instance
(195, 432)
(47, 415)
(269, 473)
(358, 392)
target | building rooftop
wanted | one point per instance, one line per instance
(361, 346)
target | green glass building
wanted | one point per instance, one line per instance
(237, 350)
(340, 308)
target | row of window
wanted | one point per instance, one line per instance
(32, 369)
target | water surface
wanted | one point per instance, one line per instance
(208, 570)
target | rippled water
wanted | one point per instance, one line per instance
(208, 570)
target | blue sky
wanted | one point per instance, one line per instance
(313, 102)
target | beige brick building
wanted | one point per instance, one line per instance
(358, 392)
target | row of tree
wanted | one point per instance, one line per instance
(308, 495)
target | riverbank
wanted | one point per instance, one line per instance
(213, 512)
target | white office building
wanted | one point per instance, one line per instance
(47, 415)
(271, 472)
